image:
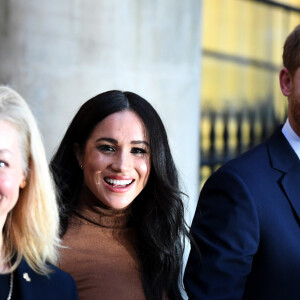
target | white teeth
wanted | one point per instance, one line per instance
(118, 182)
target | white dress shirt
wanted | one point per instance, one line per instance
(292, 137)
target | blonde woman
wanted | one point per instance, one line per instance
(28, 211)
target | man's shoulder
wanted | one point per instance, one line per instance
(257, 157)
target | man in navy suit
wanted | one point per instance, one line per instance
(247, 222)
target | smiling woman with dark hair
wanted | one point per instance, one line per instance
(122, 212)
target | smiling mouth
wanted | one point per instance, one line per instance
(118, 183)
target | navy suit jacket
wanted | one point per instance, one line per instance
(32, 286)
(246, 226)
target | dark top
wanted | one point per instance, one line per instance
(4, 283)
(28, 285)
(5, 287)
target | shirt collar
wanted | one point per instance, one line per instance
(292, 137)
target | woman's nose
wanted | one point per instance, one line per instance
(122, 162)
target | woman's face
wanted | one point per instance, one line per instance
(116, 159)
(11, 170)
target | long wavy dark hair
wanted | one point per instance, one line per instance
(157, 212)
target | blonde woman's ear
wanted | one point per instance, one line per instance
(23, 184)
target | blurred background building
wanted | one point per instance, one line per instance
(209, 67)
(241, 101)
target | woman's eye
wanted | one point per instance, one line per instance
(3, 164)
(138, 151)
(106, 148)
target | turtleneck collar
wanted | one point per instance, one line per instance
(92, 210)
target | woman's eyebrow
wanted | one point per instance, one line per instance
(113, 141)
(5, 151)
(140, 142)
(107, 139)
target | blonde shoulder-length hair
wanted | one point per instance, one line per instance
(31, 230)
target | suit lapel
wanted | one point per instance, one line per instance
(284, 159)
(291, 186)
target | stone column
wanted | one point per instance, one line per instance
(58, 54)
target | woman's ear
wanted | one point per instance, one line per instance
(23, 184)
(286, 82)
(78, 154)
(23, 180)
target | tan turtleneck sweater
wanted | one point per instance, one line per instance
(100, 253)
